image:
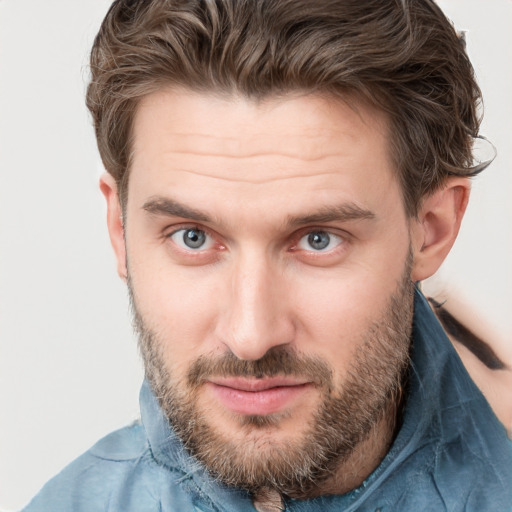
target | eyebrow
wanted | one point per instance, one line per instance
(171, 208)
(342, 213)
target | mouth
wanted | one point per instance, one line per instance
(258, 397)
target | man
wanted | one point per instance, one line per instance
(280, 174)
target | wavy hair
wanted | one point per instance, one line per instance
(403, 56)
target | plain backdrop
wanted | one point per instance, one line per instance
(69, 368)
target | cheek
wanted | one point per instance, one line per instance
(179, 305)
(336, 313)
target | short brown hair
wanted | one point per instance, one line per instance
(402, 55)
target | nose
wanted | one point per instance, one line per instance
(256, 316)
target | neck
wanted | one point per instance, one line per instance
(351, 472)
(365, 458)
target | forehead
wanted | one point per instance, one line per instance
(207, 146)
(240, 127)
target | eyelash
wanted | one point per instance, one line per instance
(190, 227)
(343, 237)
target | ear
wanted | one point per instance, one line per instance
(436, 227)
(115, 222)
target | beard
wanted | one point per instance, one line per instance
(345, 416)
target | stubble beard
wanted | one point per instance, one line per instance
(345, 417)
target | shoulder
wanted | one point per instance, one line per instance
(120, 474)
(452, 468)
(479, 354)
(495, 385)
(102, 474)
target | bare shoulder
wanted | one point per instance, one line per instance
(489, 369)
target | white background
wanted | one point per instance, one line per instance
(69, 368)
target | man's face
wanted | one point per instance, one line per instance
(269, 262)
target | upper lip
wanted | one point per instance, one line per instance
(254, 384)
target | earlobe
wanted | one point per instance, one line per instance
(115, 225)
(435, 229)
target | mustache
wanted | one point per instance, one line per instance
(278, 361)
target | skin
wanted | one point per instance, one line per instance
(254, 176)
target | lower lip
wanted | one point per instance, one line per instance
(257, 403)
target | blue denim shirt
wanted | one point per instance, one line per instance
(451, 454)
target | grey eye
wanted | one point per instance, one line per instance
(192, 238)
(319, 240)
